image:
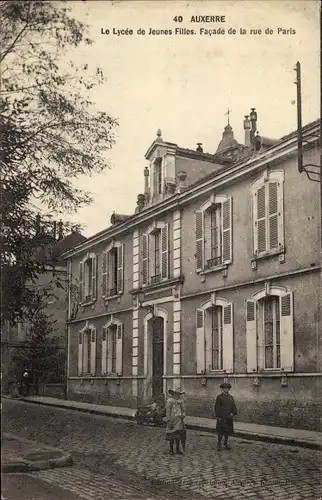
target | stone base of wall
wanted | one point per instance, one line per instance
(53, 390)
(296, 405)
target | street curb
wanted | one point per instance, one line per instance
(23, 465)
(240, 434)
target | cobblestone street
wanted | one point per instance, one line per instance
(104, 448)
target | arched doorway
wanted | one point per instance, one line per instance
(157, 324)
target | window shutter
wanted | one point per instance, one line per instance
(81, 282)
(287, 332)
(80, 353)
(260, 220)
(228, 339)
(273, 215)
(251, 336)
(164, 252)
(280, 215)
(200, 340)
(104, 351)
(145, 261)
(120, 267)
(199, 240)
(105, 259)
(93, 351)
(94, 276)
(227, 231)
(119, 349)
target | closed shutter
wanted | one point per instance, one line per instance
(287, 332)
(261, 219)
(80, 353)
(93, 351)
(119, 349)
(228, 339)
(227, 231)
(280, 207)
(251, 336)
(120, 268)
(104, 351)
(199, 240)
(94, 277)
(105, 259)
(164, 252)
(145, 260)
(81, 282)
(273, 215)
(200, 341)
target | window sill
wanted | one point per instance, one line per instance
(221, 267)
(89, 303)
(268, 254)
(106, 298)
(157, 286)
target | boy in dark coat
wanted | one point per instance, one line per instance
(225, 410)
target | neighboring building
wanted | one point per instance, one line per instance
(216, 275)
(49, 254)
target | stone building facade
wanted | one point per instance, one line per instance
(216, 275)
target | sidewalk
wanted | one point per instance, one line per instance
(282, 435)
(22, 455)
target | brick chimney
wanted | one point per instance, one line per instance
(247, 130)
(253, 119)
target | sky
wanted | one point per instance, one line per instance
(184, 84)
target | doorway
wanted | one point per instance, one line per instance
(157, 355)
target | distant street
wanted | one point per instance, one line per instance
(131, 461)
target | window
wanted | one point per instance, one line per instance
(269, 331)
(155, 254)
(267, 200)
(113, 270)
(112, 348)
(158, 176)
(87, 351)
(87, 279)
(214, 332)
(214, 233)
(216, 339)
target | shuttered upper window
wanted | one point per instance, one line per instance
(213, 231)
(113, 270)
(87, 279)
(155, 254)
(267, 200)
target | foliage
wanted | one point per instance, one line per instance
(50, 134)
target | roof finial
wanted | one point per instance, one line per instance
(159, 133)
(228, 113)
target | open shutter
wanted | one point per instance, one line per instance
(120, 267)
(199, 240)
(105, 273)
(251, 336)
(228, 339)
(287, 332)
(200, 340)
(273, 215)
(119, 349)
(93, 351)
(94, 277)
(80, 353)
(164, 252)
(104, 351)
(145, 260)
(261, 219)
(227, 231)
(81, 282)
